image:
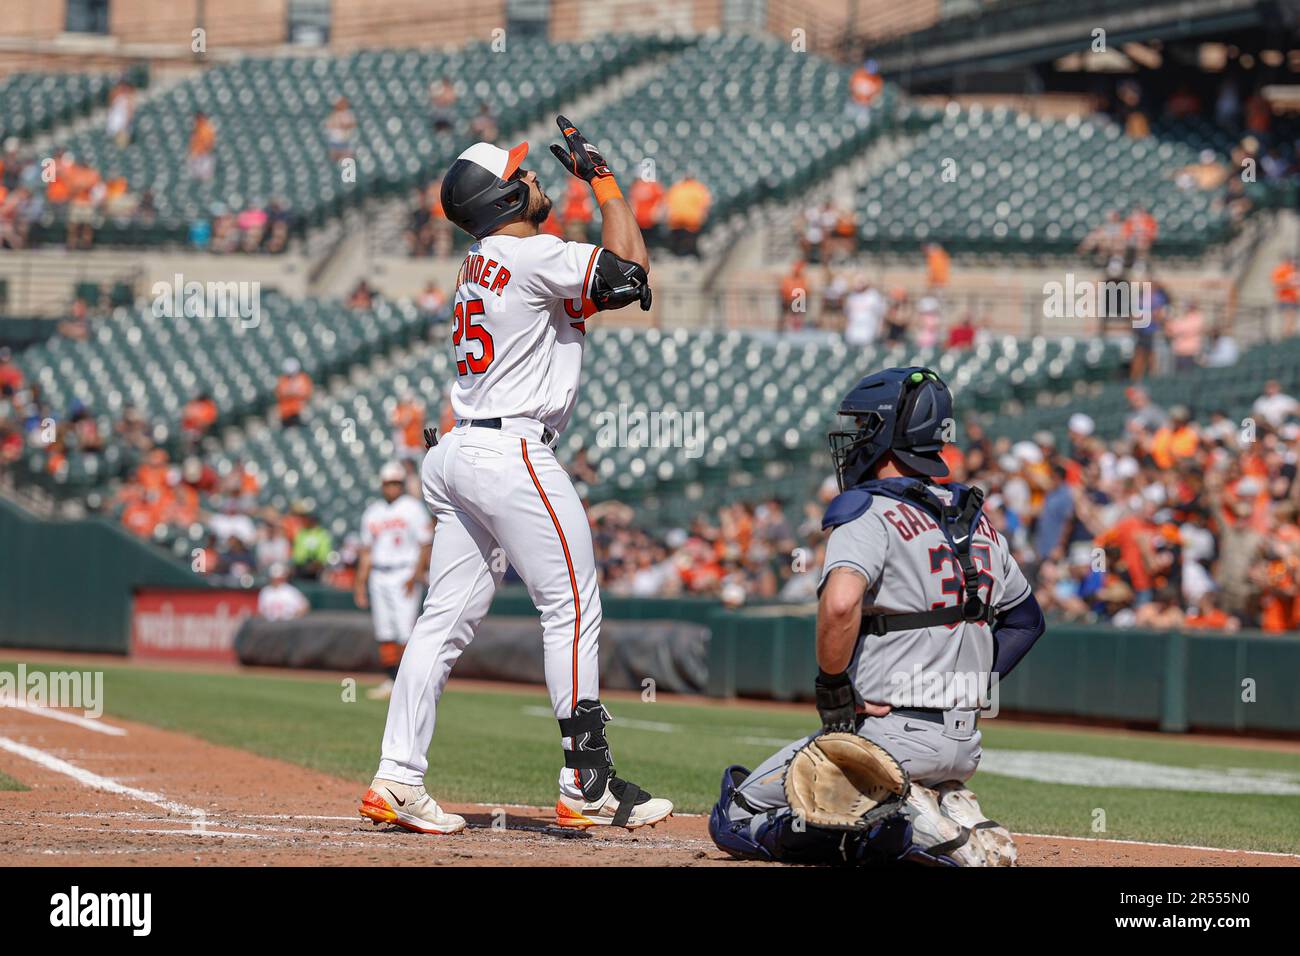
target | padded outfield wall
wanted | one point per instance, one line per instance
(67, 585)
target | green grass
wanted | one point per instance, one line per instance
(503, 747)
(9, 783)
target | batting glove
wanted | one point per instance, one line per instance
(583, 160)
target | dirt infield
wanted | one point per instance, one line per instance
(121, 793)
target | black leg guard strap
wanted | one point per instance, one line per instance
(584, 721)
(631, 793)
(586, 759)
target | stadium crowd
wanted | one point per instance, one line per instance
(1178, 521)
(1175, 523)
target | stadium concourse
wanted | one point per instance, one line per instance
(800, 239)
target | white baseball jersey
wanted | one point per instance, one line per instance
(395, 532)
(909, 566)
(281, 602)
(518, 327)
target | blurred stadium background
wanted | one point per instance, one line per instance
(830, 186)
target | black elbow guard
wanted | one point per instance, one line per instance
(618, 283)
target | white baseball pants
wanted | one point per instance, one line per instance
(392, 610)
(498, 496)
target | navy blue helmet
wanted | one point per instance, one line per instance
(899, 410)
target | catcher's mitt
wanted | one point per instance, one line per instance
(844, 782)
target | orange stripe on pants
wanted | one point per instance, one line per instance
(573, 583)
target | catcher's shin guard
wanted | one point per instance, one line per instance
(779, 836)
(733, 836)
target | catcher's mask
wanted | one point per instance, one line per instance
(482, 190)
(899, 410)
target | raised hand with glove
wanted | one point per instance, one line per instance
(583, 160)
(622, 273)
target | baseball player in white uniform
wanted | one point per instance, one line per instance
(279, 600)
(396, 537)
(493, 483)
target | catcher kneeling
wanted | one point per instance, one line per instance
(920, 604)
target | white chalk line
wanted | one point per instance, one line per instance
(95, 781)
(98, 782)
(1168, 846)
(89, 723)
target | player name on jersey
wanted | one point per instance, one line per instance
(482, 271)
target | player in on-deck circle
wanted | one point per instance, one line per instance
(921, 603)
(522, 301)
(396, 537)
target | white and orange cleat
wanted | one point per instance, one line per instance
(622, 804)
(410, 807)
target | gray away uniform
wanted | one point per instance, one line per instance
(909, 566)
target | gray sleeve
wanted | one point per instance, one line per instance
(1015, 588)
(860, 545)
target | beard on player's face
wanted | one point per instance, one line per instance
(539, 205)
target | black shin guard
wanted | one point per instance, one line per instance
(591, 758)
(590, 755)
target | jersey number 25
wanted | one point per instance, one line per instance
(464, 328)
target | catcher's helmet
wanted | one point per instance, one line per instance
(899, 410)
(482, 192)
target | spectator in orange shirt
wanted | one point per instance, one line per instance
(408, 424)
(1210, 617)
(1132, 536)
(1276, 580)
(143, 514)
(864, 86)
(203, 144)
(647, 199)
(1176, 441)
(687, 204)
(199, 414)
(938, 264)
(577, 210)
(1286, 292)
(83, 186)
(1140, 232)
(292, 392)
(151, 475)
(794, 297)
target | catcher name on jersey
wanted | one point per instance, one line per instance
(910, 566)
